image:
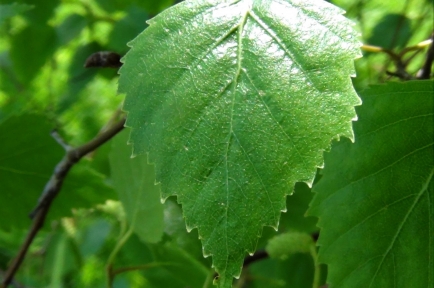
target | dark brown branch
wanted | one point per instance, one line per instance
(401, 64)
(259, 255)
(53, 187)
(14, 283)
(425, 72)
(397, 59)
(103, 59)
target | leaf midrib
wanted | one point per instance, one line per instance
(231, 132)
(239, 28)
(234, 83)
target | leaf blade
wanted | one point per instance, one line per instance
(26, 166)
(392, 157)
(231, 117)
(134, 182)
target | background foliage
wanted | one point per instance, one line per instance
(43, 85)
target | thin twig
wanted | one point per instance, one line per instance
(401, 64)
(14, 283)
(51, 190)
(60, 140)
(109, 267)
(259, 255)
(317, 273)
(141, 267)
(425, 72)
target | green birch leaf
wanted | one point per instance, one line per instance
(295, 272)
(180, 264)
(70, 28)
(25, 166)
(174, 227)
(294, 219)
(134, 180)
(126, 29)
(10, 10)
(283, 245)
(375, 199)
(32, 38)
(235, 101)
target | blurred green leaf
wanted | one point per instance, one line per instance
(134, 252)
(27, 160)
(25, 166)
(374, 201)
(79, 76)
(134, 181)
(41, 12)
(251, 97)
(93, 237)
(59, 258)
(156, 6)
(174, 226)
(180, 265)
(150, 6)
(11, 10)
(294, 219)
(127, 29)
(164, 265)
(295, 272)
(286, 244)
(83, 188)
(9, 85)
(100, 159)
(70, 28)
(296, 206)
(29, 50)
(115, 5)
(393, 31)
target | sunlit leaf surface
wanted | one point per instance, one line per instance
(235, 101)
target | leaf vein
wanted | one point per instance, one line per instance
(380, 170)
(274, 119)
(235, 84)
(282, 45)
(369, 217)
(397, 122)
(257, 173)
(30, 173)
(422, 191)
